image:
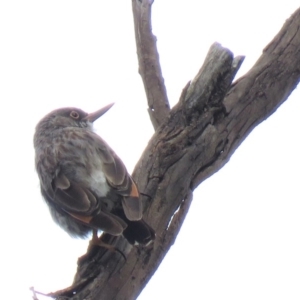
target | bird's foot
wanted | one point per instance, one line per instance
(96, 241)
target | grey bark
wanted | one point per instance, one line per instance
(192, 141)
(149, 66)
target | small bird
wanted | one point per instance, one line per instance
(84, 183)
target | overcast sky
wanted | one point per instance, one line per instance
(241, 238)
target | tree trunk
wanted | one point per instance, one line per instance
(192, 141)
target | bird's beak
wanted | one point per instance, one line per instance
(97, 114)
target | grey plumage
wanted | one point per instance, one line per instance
(83, 181)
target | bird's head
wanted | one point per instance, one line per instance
(70, 117)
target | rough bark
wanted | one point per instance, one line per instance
(194, 140)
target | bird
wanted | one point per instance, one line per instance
(83, 181)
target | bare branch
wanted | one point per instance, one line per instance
(200, 134)
(149, 66)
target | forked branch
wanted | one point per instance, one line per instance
(211, 119)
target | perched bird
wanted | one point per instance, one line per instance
(84, 183)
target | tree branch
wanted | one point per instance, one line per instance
(149, 66)
(200, 134)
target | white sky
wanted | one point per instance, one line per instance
(241, 238)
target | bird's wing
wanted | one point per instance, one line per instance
(119, 179)
(82, 205)
(72, 196)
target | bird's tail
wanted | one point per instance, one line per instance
(137, 232)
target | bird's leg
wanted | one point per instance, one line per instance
(96, 241)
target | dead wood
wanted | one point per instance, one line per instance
(193, 141)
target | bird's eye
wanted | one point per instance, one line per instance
(74, 114)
